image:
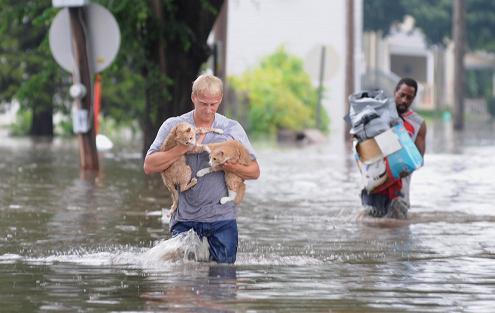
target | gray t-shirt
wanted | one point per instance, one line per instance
(201, 203)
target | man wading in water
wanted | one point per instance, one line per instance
(393, 202)
(199, 207)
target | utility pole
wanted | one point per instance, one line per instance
(320, 86)
(84, 39)
(349, 61)
(82, 75)
(458, 30)
(220, 35)
(220, 51)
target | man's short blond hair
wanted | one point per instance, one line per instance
(207, 84)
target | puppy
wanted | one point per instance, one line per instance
(179, 173)
(220, 153)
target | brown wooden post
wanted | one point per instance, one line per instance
(87, 141)
(349, 61)
(320, 86)
(158, 13)
(220, 33)
(459, 43)
(220, 57)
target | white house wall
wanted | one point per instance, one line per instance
(257, 28)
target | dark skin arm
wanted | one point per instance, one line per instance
(421, 139)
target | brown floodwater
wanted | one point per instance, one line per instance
(69, 244)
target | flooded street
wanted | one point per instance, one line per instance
(69, 244)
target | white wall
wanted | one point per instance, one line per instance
(257, 28)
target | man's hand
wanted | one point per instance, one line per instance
(230, 167)
(404, 174)
(161, 160)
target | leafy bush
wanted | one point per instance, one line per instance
(280, 96)
(63, 127)
(22, 123)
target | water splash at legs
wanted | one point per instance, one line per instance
(185, 247)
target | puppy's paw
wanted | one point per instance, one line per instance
(166, 215)
(218, 131)
(202, 172)
(225, 200)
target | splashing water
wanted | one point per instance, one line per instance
(185, 247)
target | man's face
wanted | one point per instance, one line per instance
(404, 97)
(206, 105)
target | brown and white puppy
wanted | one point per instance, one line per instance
(228, 151)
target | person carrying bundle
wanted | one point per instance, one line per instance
(390, 199)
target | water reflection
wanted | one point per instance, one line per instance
(73, 244)
(193, 288)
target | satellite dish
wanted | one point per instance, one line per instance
(102, 38)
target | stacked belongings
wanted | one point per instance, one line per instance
(383, 149)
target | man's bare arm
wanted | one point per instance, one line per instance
(421, 139)
(161, 160)
(251, 171)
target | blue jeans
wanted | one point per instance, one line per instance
(222, 237)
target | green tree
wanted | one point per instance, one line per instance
(379, 15)
(480, 28)
(164, 44)
(280, 95)
(27, 71)
(434, 17)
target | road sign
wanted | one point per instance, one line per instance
(102, 35)
(69, 3)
